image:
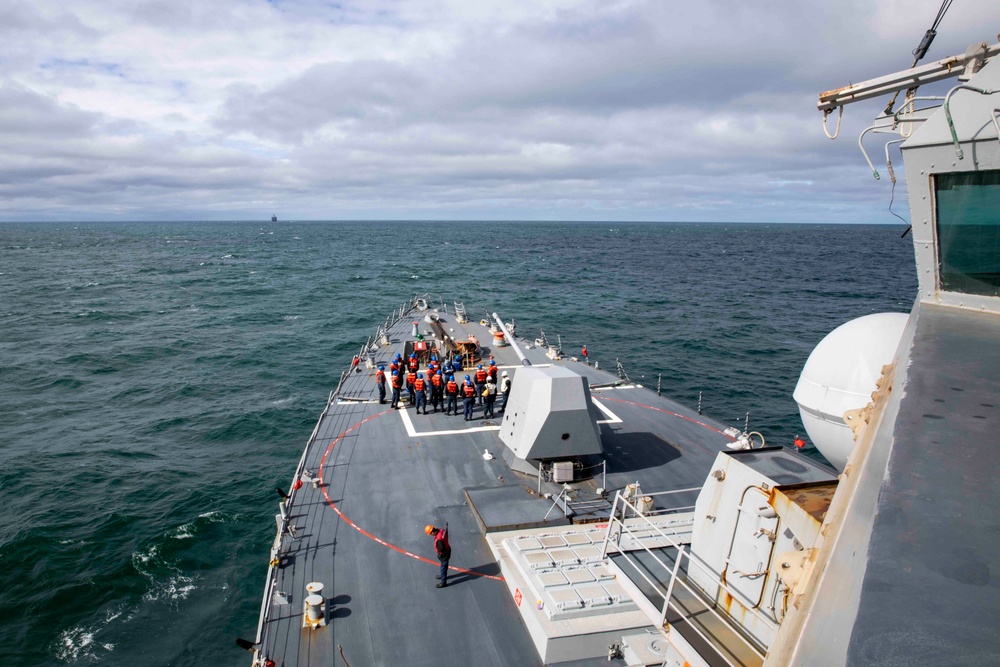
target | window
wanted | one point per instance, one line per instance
(968, 230)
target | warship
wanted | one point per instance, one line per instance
(592, 520)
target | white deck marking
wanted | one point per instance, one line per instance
(413, 433)
(612, 417)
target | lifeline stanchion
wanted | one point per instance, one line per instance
(699, 402)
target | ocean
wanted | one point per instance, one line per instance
(159, 380)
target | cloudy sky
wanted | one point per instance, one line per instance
(439, 109)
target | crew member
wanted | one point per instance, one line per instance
(411, 379)
(586, 360)
(413, 365)
(451, 389)
(397, 386)
(437, 387)
(469, 393)
(491, 371)
(489, 397)
(505, 390)
(380, 383)
(419, 386)
(481, 376)
(443, 551)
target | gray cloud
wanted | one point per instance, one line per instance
(644, 110)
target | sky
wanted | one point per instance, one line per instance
(568, 110)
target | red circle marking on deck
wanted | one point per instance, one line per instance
(364, 532)
(668, 412)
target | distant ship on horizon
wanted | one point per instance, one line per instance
(274, 218)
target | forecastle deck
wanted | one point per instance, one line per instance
(383, 474)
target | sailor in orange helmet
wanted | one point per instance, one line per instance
(442, 549)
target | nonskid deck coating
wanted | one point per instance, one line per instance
(387, 473)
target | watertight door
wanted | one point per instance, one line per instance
(750, 554)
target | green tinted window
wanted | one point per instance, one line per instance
(968, 228)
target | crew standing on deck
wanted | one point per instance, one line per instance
(397, 386)
(437, 389)
(419, 386)
(505, 390)
(451, 390)
(480, 382)
(443, 551)
(489, 397)
(469, 394)
(411, 380)
(491, 371)
(380, 383)
(413, 365)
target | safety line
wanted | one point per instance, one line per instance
(364, 532)
(670, 412)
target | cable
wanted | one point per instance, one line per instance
(921, 50)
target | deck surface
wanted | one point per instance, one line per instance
(388, 473)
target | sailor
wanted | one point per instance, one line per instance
(419, 386)
(380, 382)
(433, 363)
(443, 551)
(394, 366)
(481, 376)
(437, 387)
(469, 393)
(413, 365)
(411, 379)
(489, 397)
(491, 370)
(397, 385)
(456, 363)
(586, 360)
(505, 390)
(451, 389)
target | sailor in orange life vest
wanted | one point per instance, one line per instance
(418, 387)
(380, 382)
(451, 389)
(469, 394)
(584, 353)
(397, 386)
(481, 376)
(443, 551)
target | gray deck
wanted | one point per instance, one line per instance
(375, 561)
(928, 595)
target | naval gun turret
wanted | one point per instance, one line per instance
(550, 418)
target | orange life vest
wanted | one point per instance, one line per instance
(452, 388)
(480, 376)
(419, 384)
(470, 391)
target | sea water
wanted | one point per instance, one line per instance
(159, 380)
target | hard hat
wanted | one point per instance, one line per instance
(413, 355)
(480, 365)
(428, 529)
(467, 377)
(420, 375)
(395, 372)
(493, 363)
(381, 367)
(504, 374)
(434, 357)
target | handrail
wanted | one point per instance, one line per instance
(617, 527)
(260, 641)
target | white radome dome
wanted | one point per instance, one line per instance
(840, 375)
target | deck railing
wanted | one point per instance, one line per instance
(261, 639)
(617, 527)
